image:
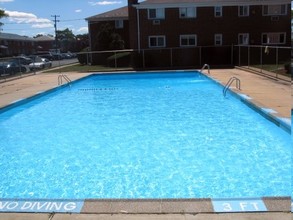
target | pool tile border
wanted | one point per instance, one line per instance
(147, 206)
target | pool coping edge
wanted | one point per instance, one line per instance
(147, 206)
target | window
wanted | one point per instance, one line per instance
(243, 11)
(274, 10)
(273, 38)
(188, 40)
(157, 41)
(157, 13)
(218, 39)
(119, 24)
(187, 12)
(243, 39)
(218, 11)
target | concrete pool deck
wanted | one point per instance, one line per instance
(265, 92)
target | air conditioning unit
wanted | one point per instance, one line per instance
(275, 18)
(156, 22)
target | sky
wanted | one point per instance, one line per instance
(33, 17)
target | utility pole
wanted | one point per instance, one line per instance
(55, 26)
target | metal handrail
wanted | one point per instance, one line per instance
(228, 84)
(65, 77)
(204, 66)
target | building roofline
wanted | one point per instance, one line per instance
(9, 36)
(205, 3)
(116, 14)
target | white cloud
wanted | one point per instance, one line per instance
(42, 25)
(83, 30)
(3, 1)
(78, 10)
(105, 3)
(28, 18)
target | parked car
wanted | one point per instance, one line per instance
(23, 60)
(46, 55)
(40, 63)
(10, 67)
(57, 56)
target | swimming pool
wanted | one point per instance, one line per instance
(160, 135)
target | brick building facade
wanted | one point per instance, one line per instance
(204, 30)
(14, 44)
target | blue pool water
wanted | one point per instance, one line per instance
(141, 136)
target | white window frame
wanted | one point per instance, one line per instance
(272, 10)
(159, 13)
(119, 24)
(189, 12)
(188, 37)
(243, 10)
(157, 37)
(218, 11)
(243, 39)
(273, 38)
(218, 38)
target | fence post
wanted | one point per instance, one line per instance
(261, 59)
(248, 56)
(239, 55)
(143, 59)
(277, 63)
(171, 57)
(115, 60)
(87, 58)
(200, 61)
(232, 55)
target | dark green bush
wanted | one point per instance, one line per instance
(82, 56)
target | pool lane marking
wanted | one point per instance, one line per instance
(46, 206)
(239, 205)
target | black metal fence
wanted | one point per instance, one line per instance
(273, 61)
(269, 60)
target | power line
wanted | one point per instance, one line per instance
(68, 20)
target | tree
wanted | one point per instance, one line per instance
(82, 41)
(2, 15)
(107, 39)
(66, 34)
(104, 36)
(38, 35)
(66, 40)
(116, 42)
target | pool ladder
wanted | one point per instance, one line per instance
(205, 66)
(65, 77)
(229, 83)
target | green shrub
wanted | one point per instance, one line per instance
(82, 56)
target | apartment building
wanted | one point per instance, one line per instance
(13, 44)
(205, 30)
